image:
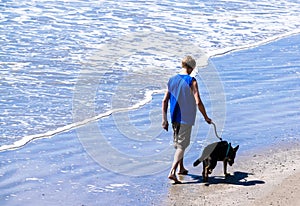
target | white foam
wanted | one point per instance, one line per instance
(34, 179)
(26, 139)
(259, 43)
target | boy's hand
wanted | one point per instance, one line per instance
(165, 125)
(208, 120)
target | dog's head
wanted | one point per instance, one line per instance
(232, 154)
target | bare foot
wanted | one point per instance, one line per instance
(174, 178)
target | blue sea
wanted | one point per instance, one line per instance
(81, 85)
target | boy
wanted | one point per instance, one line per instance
(184, 98)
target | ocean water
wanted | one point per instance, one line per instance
(94, 73)
(47, 45)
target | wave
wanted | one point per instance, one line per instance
(27, 139)
(225, 51)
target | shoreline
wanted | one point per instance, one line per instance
(147, 98)
(268, 176)
(219, 53)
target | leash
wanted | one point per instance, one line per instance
(216, 131)
(229, 144)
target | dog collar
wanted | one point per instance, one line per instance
(228, 149)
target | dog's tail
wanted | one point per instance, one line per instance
(196, 162)
(206, 153)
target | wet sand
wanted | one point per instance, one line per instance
(267, 177)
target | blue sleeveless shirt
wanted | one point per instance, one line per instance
(182, 102)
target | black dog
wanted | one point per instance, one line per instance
(218, 151)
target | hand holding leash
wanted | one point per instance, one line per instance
(208, 120)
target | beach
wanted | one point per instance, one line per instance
(61, 173)
(266, 177)
(268, 172)
(60, 170)
(81, 86)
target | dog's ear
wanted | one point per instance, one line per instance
(236, 148)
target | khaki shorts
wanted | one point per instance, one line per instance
(181, 135)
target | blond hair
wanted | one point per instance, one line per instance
(188, 62)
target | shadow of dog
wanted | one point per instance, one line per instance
(238, 178)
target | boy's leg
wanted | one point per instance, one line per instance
(184, 137)
(178, 156)
(182, 170)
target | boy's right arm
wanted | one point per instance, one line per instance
(165, 104)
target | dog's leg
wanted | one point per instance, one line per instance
(225, 168)
(205, 171)
(212, 164)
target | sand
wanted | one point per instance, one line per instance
(267, 177)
